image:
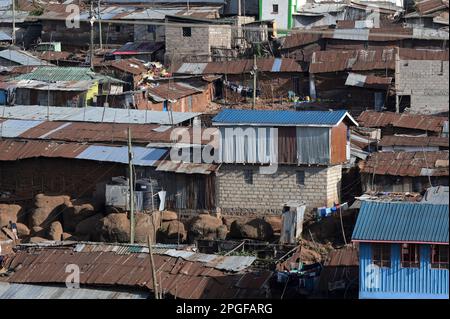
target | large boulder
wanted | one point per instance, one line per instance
(9, 213)
(204, 227)
(114, 228)
(222, 232)
(275, 222)
(257, 229)
(172, 232)
(79, 211)
(55, 231)
(22, 230)
(47, 209)
(168, 216)
(88, 228)
(146, 224)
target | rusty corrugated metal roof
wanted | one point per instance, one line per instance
(411, 121)
(430, 6)
(424, 141)
(273, 65)
(173, 90)
(177, 277)
(347, 256)
(11, 150)
(411, 164)
(186, 168)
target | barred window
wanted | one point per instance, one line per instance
(381, 255)
(187, 32)
(410, 256)
(439, 256)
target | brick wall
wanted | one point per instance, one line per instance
(268, 193)
(427, 84)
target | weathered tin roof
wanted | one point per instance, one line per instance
(173, 90)
(5, 36)
(402, 140)
(186, 168)
(402, 222)
(12, 150)
(24, 291)
(368, 81)
(407, 164)
(94, 114)
(55, 73)
(177, 277)
(142, 156)
(21, 57)
(281, 118)
(411, 121)
(273, 65)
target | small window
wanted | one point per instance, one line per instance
(381, 255)
(301, 178)
(275, 8)
(151, 28)
(248, 176)
(118, 28)
(439, 256)
(410, 256)
(187, 32)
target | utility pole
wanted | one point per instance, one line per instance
(100, 25)
(13, 34)
(397, 79)
(91, 46)
(152, 265)
(131, 185)
(255, 68)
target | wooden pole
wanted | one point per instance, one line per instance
(131, 185)
(255, 67)
(100, 25)
(152, 265)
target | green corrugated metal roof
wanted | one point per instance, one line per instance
(402, 222)
(54, 74)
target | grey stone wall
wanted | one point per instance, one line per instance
(426, 82)
(268, 193)
(197, 47)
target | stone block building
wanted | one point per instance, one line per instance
(424, 84)
(271, 157)
(194, 40)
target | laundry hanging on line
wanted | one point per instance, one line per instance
(242, 90)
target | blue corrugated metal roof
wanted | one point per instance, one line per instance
(142, 156)
(14, 128)
(273, 117)
(402, 222)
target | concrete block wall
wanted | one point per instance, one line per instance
(179, 47)
(426, 81)
(268, 193)
(141, 33)
(220, 36)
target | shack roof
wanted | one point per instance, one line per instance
(282, 118)
(273, 65)
(150, 135)
(412, 164)
(403, 120)
(184, 274)
(21, 57)
(174, 90)
(134, 48)
(55, 73)
(13, 150)
(94, 115)
(402, 223)
(402, 140)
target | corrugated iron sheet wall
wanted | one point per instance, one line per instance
(396, 280)
(287, 145)
(313, 145)
(237, 147)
